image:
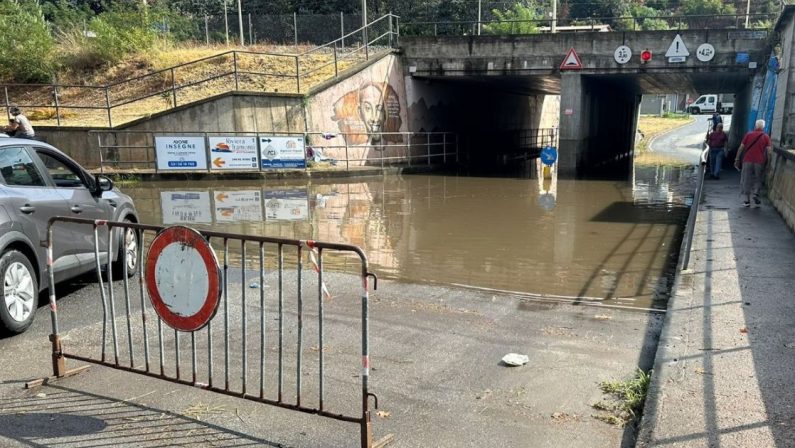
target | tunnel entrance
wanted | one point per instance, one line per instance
(504, 120)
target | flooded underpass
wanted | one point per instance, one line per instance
(610, 241)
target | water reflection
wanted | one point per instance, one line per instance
(598, 239)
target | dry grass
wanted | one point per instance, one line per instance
(651, 126)
(143, 84)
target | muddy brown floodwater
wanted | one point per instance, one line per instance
(612, 241)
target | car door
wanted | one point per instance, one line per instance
(75, 187)
(710, 103)
(32, 202)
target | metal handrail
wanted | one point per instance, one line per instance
(356, 31)
(691, 218)
(593, 21)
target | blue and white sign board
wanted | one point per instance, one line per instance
(282, 152)
(286, 205)
(234, 206)
(186, 207)
(549, 155)
(233, 153)
(180, 153)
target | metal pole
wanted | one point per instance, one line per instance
(250, 31)
(364, 28)
(297, 75)
(226, 24)
(747, 12)
(335, 61)
(206, 30)
(174, 87)
(553, 27)
(691, 221)
(57, 105)
(428, 146)
(342, 29)
(295, 28)
(240, 22)
(8, 105)
(234, 61)
(107, 105)
(479, 15)
(390, 30)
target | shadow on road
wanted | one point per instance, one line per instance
(70, 417)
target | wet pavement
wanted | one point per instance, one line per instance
(686, 143)
(612, 241)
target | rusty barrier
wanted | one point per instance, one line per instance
(154, 351)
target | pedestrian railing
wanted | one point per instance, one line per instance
(231, 71)
(604, 24)
(261, 279)
(136, 151)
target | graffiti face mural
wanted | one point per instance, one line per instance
(363, 114)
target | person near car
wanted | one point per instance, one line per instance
(751, 159)
(20, 124)
(716, 140)
(11, 129)
(716, 119)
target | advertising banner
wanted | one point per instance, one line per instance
(186, 207)
(286, 205)
(282, 152)
(232, 206)
(181, 153)
(233, 153)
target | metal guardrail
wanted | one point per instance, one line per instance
(130, 345)
(487, 27)
(135, 150)
(693, 215)
(224, 72)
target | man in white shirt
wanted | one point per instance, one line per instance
(20, 124)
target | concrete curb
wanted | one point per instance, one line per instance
(665, 350)
(669, 131)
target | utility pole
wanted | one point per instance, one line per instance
(240, 22)
(226, 24)
(479, 9)
(554, 25)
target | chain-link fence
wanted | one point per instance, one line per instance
(283, 29)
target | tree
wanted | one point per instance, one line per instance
(647, 18)
(27, 49)
(705, 8)
(520, 19)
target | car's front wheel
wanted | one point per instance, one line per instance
(129, 245)
(20, 293)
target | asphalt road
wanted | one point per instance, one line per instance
(435, 357)
(685, 143)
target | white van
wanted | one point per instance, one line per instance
(710, 104)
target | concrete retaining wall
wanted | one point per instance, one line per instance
(781, 185)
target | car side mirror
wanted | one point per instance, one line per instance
(103, 183)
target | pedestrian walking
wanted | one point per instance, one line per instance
(751, 159)
(20, 125)
(716, 120)
(716, 140)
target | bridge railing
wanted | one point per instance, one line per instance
(605, 24)
(234, 70)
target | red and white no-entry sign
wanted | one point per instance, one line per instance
(183, 278)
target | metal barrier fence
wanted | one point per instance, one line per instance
(501, 27)
(136, 150)
(231, 71)
(147, 350)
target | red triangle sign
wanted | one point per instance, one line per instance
(571, 61)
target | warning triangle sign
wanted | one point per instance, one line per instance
(677, 48)
(571, 61)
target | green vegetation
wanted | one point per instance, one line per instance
(519, 19)
(26, 46)
(627, 398)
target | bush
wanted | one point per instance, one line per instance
(26, 45)
(120, 33)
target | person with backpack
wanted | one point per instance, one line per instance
(750, 161)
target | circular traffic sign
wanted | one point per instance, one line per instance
(705, 52)
(622, 54)
(549, 155)
(183, 278)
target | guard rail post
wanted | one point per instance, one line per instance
(428, 147)
(297, 75)
(336, 72)
(444, 148)
(174, 87)
(408, 138)
(234, 70)
(57, 104)
(691, 219)
(107, 106)
(8, 104)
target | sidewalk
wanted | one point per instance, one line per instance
(724, 367)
